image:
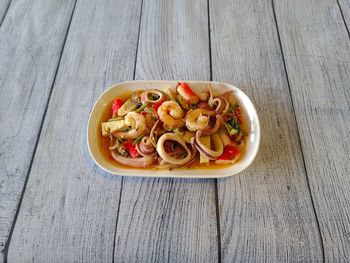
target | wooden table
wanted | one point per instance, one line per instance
(292, 57)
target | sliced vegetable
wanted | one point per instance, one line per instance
(122, 151)
(233, 107)
(187, 93)
(228, 127)
(205, 140)
(203, 96)
(233, 131)
(234, 128)
(143, 106)
(210, 153)
(113, 126)
(237, 137)
(184, 104)
(170, 93)
(215, 128)
(131, 148)
(229, 153)
(133, 162)
(117, 104)
(226, 140)
(127, 107)
(156, 105)
(188, 136)
(146, 147)
(136, 96)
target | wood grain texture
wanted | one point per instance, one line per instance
(344, 5)
(169, 220)
(4, 4)
(70, 206)
(31, 41)
(317, 54)
(266, 212)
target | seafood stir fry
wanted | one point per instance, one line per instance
(175, 128)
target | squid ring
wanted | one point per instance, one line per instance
(162, 153)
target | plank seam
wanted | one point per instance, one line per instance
(122, 181)
(116, 223)
(138, 41)
(342, 15)
(217, 209)
(7, 244)
(218, 228)
(7, 9)
(209, 39)
(298, 130)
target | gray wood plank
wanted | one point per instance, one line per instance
(266, 212)
(4, 4)
(70, 206)
(316, 46)
(162, 220)
(31, 40)
(344, 5)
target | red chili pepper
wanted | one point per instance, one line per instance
(156, 105)
(229, 153)
(235, 136)
(131, 148)
(187, 93)
(117, 104)
(186, 88)
(143, 113)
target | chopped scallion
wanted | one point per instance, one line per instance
(233, 131)
(143, 106)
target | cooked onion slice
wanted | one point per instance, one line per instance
(211, 96)
(216, 127)
(145, 96)
(133, 162)
(165, 156)
(207, 152)
(151, 135)
(145, 147)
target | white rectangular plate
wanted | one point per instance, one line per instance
(252, 141)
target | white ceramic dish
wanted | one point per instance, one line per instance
(247, 108)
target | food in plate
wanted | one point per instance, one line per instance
(174, 128)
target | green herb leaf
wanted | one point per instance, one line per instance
(233, 131)
(143, 106)
(233, 107)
